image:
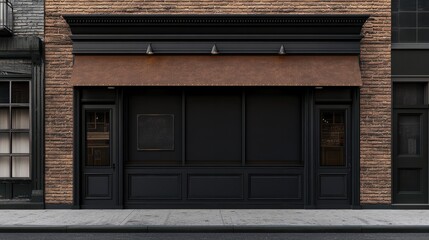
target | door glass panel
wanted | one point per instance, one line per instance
(4, 118)
(20, 118)
(20, 167)
(20, 92)
(332, 137)
(4, 167)
(97, 138)
(409, 135)
(20, 143)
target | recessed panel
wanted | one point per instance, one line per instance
(275, 187)
(154, 186)
(155, 132)
(333, 186)
(21, 191)
(154, 126)
(409, 180)
(215, 187)
(213, 126)
(98, 186)
(273, 127)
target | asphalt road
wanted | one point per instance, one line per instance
(212, 236)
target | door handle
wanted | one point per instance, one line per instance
(113, 165)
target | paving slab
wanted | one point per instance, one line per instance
(216, 220)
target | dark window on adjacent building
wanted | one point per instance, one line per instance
(410, 21)
(15, 129)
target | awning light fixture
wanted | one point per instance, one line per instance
(214, 50)
(149, 50)
(282, 50)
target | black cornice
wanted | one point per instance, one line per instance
(176, 33)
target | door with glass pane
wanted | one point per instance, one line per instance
(410, 154)
(99, 158)
(332, 156)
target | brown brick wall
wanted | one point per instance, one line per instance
(375, 94)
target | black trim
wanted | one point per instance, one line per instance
(22, 47)
(232, 34)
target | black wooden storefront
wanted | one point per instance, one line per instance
(231, 147)
(163, 121)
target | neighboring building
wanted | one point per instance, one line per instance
(169, 104)
(21, 104)
(410, 77)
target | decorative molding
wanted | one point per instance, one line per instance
(216, 19)
(232, 34)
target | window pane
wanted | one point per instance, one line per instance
(408, 35)
(20, 118)
(409, 135)
(4, 167)
(4, 92)
(407, 19)
(332, 137)
(4, 143)
(423, 19)
(395, 35)
(408, 93)
(395, 20)
(4, 118)
(423, 35)
(407, 5)
(20, 167)
(98, 138)
(395, 5)
(20, 143)
(20, 92)
(423, 5)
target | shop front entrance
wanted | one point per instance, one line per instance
(233, 147)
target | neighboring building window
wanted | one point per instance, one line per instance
(15, 129)
(410, 21)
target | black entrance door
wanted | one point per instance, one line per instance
(333, 158)
(99, 158)
(410, 154)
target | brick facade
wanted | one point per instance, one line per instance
(375, 93)
(28, 17)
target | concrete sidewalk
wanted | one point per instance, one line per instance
(214, 220)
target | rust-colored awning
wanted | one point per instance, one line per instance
(196, 70)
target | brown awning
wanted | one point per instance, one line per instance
(196, 70)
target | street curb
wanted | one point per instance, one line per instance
(215, 229)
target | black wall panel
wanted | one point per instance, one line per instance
(410, 62)
(154, 101)
(273, 126)
(213, 127)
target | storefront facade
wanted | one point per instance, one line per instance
(217, 111)
(21, 105)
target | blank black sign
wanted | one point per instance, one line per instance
(155, 132)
